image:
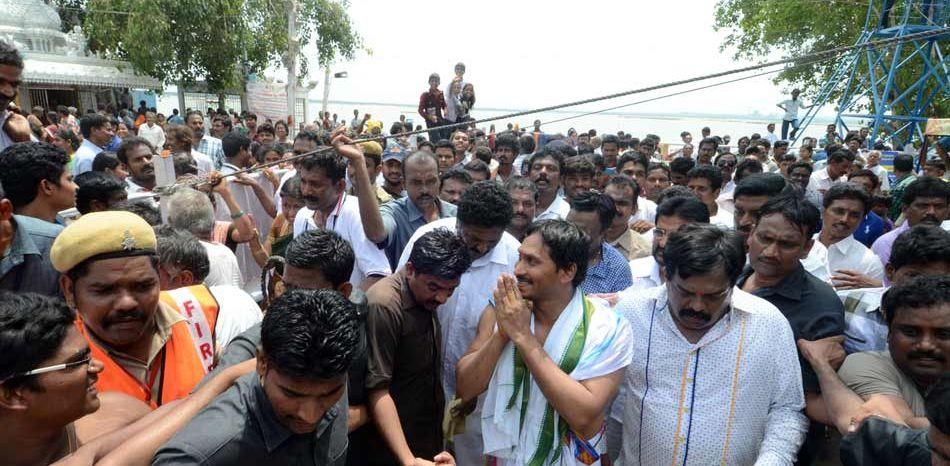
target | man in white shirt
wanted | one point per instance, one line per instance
(483, 213)
(671, 215)
(850, 263)
(566, 352)
(720, 382)
(770, 134)
(191, 210)
(323, 184)
(874, 164)
(97, 132)
(839, 165)
(151, 132)
(791, 106)
(544, 169)
(183, 262)
(706, 183)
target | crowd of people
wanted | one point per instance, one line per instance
(472, 297)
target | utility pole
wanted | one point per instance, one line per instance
(291, 64)
(326, 88)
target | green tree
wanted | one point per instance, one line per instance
(756, 29)
(218, 41)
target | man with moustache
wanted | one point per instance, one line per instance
(850, 264)
(624, 192)
(926, 201)
(13, 126)
(110, 277)
(917, 354)
(323, 185)
(722, 383)
(136, 154)
(203, 142)
(781, 238)
(391, 225)
(524, 202)
(404, 379)
(506, 149)
(544, 169)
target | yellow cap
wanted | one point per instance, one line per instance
(372, 148)
(109, 234)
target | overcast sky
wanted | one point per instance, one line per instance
(528, 54)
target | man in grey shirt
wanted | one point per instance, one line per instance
(398, 219)
(293, 410)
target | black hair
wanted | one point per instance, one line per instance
(918, 292)
(104, 161)
(260, 152)
(143, 207)
(584, 148)
(688, 208)
(867, 174)
(69, 135)
(181, 249)
(633, 157)
(922, 244)
(780, 144)
(25, 164)
(130, 143)
(840, 155)
(485, 204)
(184, 163)
(265, 128)
(760, 184)
(848, 190)
(804, 165)
(478, 166)
(233, 142)
(924, 186)
(698, 249)
(225, 121)
(32, 329)
(521, 182)
(95, 186)
(456, 174)
(787, 157)
(708, 172)
(937, 163)
(310, 334)
(937, 404)
(91, 121)
(323, 250)
(444, 144)
(311, 136)
(333, 165)
(610, 139)
(567, 244)
(795, 209)
(626, 182)
(440, 253)
(508, 140)
(675, 191)
(708, 140)
(578, 165)
(747, 167)
(526, 144)
(682, 165)
(658, 166)
(10, 56)
(592, 201)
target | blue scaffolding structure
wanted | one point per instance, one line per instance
(895, 108)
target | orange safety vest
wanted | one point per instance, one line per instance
(182, 366)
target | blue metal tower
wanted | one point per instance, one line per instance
(891, 87)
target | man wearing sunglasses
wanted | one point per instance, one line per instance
(720, 381)
(47, 379)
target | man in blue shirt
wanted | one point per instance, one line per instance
(607, 270)
(37, 186)
(872, 227)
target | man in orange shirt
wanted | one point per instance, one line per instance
(154, 348)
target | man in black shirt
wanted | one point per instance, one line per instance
(293, 409)
(320, 259)
(782, 236)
